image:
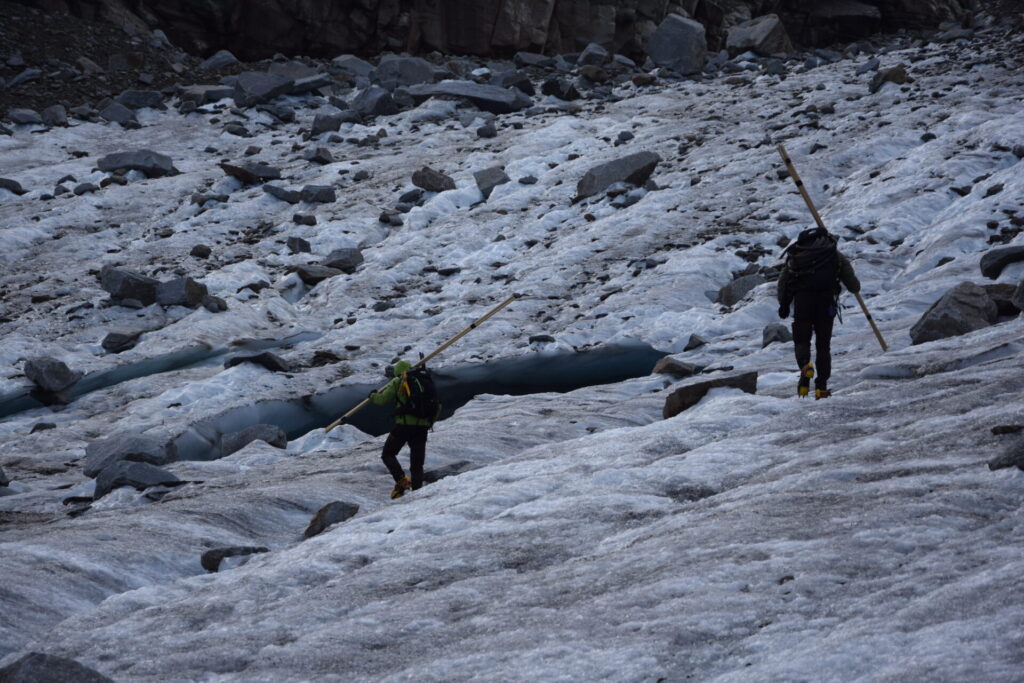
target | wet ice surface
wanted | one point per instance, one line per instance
(750, 538)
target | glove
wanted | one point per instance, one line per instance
(784, 310)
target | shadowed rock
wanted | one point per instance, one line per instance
(965, 308)
(277, 192)
(125, 285)
(153, 164)
(690, 395)
(1013, 456)
(375, 101)
(139, 99)
(395, 71)
(313, 274)
(432, 181)
(268, 360)
(117, 113)
(670, 366)
(734, 292)
(236, 441)
(220, 60)
(679, 44)
(489, 98)
(490, 178)
(994, 260)
(329, 514)
(764, 35)
(24, 117)
(4, 481)
(37, 667)
(318, 194)
(252, 174)
(138, 475)
(134, 447)
(182, 291)
(256, 87)
(120, 340)
(775, 332)
(11, 186)
(346, 259)
(211, 559)
(51, 375)
(634, 169)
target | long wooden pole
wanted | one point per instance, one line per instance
(423, 361)
(817, 219)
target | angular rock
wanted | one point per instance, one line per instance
(329, 514)
(490, 178)
(533, 59)
(204, 94)
(37, 667)
(346, 259)
(182, 291)
(690, 395)
(51, 375)
(679, 44)
(1002, 295)
(152, 164)
(994, 260)
(211, 559)
(733, 292)
(290, 196)
(271, 434)
(634, 169)
(85, 188)
(313, 275)
(397, 71)
(375, 101)
(695, 342)
(25, 76)
(24, 117)
(487, 131)
(1018, 296)
(593, 55)
(138, 475)
(268, 360)
(304, 218)
(432, 181)
(297, 245)
(214, 304)
(220, 60)
(134, 447)
(120, 340)
(353, 65)
(117, 113)
(252, 174)
(319, 194)
(556, 86)
(765, 36)
(11, 186)
(488, 98)
(897, 74)
(325, 123)
(320, 155)
(1012, 456)
(256, 87)
(139, 99)
(55, 115)
(670, 366)
(515, 79)
(124, 284)
(965, 308)
(4, 481)
(775, 332)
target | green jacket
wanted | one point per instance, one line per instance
(390, 394)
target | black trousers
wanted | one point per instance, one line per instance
(813, 315)
(416, 437)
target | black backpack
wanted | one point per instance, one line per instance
(420, 394)
(814, 262)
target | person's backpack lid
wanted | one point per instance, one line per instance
(812, 235)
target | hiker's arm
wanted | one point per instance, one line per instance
(387, 394)
(785, 296)
(847, 276)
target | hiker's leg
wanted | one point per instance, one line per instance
(396, 439)
(417, 454)
(823, 347)
(803, 326)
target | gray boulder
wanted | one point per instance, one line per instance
(37, 667)
(325, 123)
(732, 293)
(375, 101)
(897, 75)
(26, 76)
(688, 396)
(593, 55)
(51, 375)
(120, 340)
(394, 72)
(124, 284)
(515, 79)
(220, 60)
(250, 173)
(679, 44)
(432, 181)
(1012, 456)
(117, 113)
(353, 65)
(266, 359)
(314, 274)
(556, 86)
(256, 87)
(24, 117)
(488, 98)
(55, 115)
(765, 36)
(775, 332)
(994, 260)
(329, 514)
(134, 447)
(277, 192)
(181, 291)
(346, 259)
(236, 441)
(139, 99)
(297, 245)
(635, 169)
(319, 194)
(138, 475)
(490, 178)
(211, 559)
(319, 155)
(12, 186)
(694, 342)
(965, 308)
(670, 366)
(152, 164)
(204, 94)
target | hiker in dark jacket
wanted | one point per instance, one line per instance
(811, 280)
(408, 429)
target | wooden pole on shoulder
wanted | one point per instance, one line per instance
(817, 219)
(423, 361)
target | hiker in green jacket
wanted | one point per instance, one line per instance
(416, 409)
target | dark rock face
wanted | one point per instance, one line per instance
(272, 434)
(965, 308)
(634, 169)
(134, 447)
(211, 559)
(690, 395)
(138, 475)
(329, 514)
(37, 667)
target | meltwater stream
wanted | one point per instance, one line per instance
(456, 385)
